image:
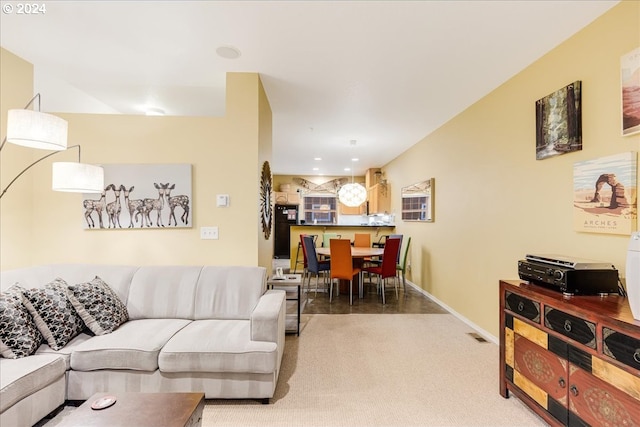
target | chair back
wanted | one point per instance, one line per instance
(310, 250)
(397, 236)
(341, 259)
(304, 250)
(328, 236)
(403, 266)
(389, 256)
(362, 240)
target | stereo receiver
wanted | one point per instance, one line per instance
(560, 274)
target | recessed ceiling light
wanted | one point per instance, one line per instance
(347, 169)
(228, 52)
(153, 111)
(316, 169)
(355, 159)
(317, 158)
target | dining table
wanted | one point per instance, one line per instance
(359, 255)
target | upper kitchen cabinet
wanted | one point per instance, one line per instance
(379, 199)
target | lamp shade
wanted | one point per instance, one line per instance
(352, 195)
(36, 130)
(77, 177)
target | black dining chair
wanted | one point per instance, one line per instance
(313, 265)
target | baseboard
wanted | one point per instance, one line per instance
(486, 335)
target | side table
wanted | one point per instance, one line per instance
(291, 284)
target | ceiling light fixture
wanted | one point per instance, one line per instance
(228, 52)
(352, 194)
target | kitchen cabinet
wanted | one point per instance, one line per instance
(379, 199)
(573, 360)
(358, 210)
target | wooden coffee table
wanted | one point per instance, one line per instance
(140, 410)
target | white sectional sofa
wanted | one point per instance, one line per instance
(210, 329)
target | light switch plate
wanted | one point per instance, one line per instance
(209, 233)
(222, 200)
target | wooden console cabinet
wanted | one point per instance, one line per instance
(573, 360)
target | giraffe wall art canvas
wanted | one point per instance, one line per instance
(141, 196)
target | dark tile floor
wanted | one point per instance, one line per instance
(409, 301)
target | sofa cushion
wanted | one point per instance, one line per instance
(134, 345)
(20, 378)
(163, 292)
(229, 292)
(98, 306)
(19, 336)
(218, 346)
(54, 314)
(65, 352)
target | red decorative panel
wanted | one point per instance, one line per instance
(542, 367)
(600, 404)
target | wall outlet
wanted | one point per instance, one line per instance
(209, 233)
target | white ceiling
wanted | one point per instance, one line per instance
(383, 73)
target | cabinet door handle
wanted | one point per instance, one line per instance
(574, 390)
(636, 355)
(520, 306)
(567, 325)
(562, 382)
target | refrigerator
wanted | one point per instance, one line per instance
(285, 216)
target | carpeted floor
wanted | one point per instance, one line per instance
(378, 370)
(372, 370)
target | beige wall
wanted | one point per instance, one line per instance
(494, 202)
(226, 155)
(16, 84)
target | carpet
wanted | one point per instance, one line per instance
(375, 370)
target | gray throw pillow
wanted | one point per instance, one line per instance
(19, 336)
(98, 306)
(54, 314)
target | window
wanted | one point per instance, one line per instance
(414, 208)
(319, 209)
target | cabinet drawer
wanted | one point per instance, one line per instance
(573, 327)
(522, 306)
(621, 347)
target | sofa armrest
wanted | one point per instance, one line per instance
(268, 317)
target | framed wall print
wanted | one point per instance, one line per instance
(630, 88)
(605, 194)
(141, 196)
(559, 122)
(418, 201)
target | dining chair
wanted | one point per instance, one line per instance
(387, 268)
(397, 236)
(402, 267)
(313, 265)
(342, 268)
(362, 240)
(326, 237)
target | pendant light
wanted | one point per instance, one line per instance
(352, 194)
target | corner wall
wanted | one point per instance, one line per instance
(494, 202)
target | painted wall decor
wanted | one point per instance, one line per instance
(141, 196)
(605, 194)
(418, 201)
(559, 122)
(266, 204)
(630, 82)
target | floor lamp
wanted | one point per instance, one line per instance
(35, 129)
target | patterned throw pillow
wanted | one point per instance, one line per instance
(19, 336)
(54, 314)
(98, 306)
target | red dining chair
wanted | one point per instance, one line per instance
(342, 265)
(387, 268)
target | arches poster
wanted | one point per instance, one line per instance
(605, 194)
